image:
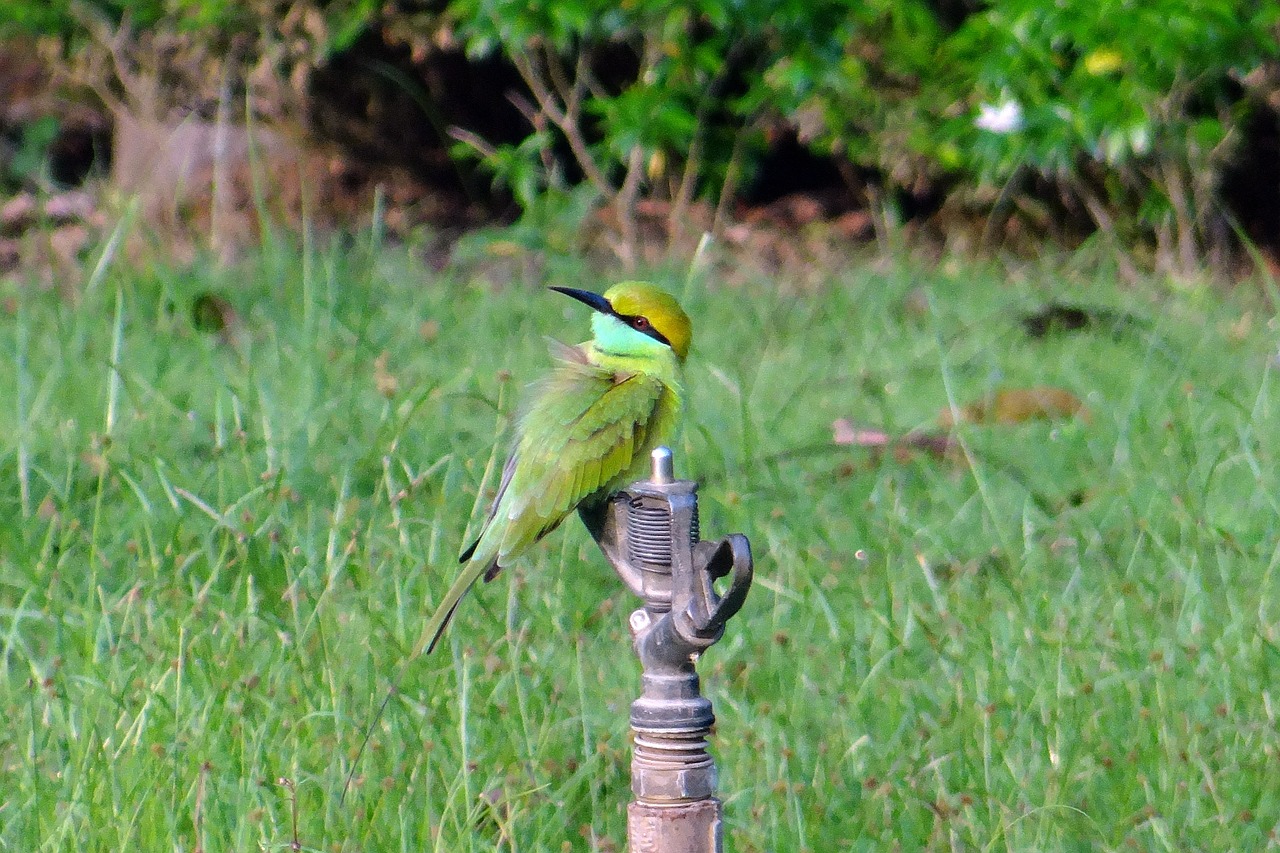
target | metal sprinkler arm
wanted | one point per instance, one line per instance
(649, 533)
(707, 610)
(657, 553)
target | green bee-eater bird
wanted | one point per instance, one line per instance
(588, 430)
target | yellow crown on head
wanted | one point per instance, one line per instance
(641, 299)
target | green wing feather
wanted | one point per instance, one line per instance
(586, 435)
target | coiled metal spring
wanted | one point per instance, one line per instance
(649, 531)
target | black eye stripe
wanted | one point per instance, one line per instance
(648, 329)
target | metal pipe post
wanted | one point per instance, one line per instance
(649, 533)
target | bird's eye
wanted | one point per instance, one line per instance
(641, 324)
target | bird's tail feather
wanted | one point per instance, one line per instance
(444, 623)
(471, 572)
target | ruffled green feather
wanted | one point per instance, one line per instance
(587, 433)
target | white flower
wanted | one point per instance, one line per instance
(1003, 118)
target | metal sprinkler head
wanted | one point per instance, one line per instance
(650, 534)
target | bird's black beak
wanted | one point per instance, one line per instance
(595, 300)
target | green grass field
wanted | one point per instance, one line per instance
(217, 550)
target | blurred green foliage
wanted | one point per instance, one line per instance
(215, 20)
(1131, 108)
(1139, 105)
(27, 159)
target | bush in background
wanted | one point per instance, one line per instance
(1120, 115)
(1133, 110)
